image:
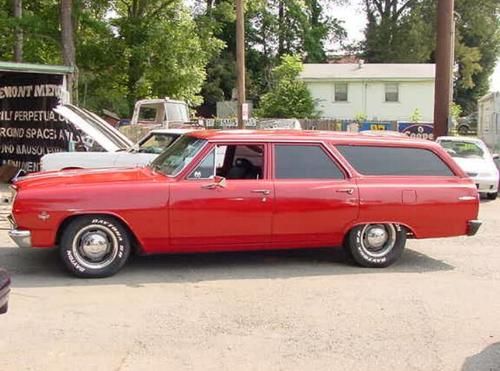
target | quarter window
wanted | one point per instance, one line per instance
(304, 162)
(341, 92)
(371, 160)
(391, 92)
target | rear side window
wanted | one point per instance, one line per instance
(304, 162)
(370, 160)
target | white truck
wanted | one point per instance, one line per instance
(105, 147)
(489, 120)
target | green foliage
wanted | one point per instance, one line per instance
(360, 117)
(455, 111)
(273, 28)
(289, 97)
(404, 31)
(478, 48)
(398, 31)
(416, 116)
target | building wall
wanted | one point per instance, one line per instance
(368, 98)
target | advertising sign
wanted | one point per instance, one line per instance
(422, 130)
(29, 128)
(375, 126)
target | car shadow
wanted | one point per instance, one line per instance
(42, 268)
(487, 360)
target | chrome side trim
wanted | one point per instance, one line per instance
(467, 198)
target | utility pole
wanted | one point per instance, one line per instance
(444, 66)
(240, 59)
(18, 33)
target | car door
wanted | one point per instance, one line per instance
(315, 199)
(219, 205)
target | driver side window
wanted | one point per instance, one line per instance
(242, 161)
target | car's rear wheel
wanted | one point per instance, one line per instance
(376, 245)
(492, 196)
(95, 246)
(463, 130)
(4, 309)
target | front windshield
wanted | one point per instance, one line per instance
(178, 155)
(459, 149)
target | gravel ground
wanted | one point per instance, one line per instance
(437, 309)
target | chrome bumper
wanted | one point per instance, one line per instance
(21, 238)
(473, 227)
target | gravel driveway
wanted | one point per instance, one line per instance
(437, 309)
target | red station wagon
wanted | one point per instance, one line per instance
(250, 190)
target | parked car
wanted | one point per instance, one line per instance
(496, 159)
(467, 124)
(4, 291)
(250, 190)
(475, 159)
(108, 147)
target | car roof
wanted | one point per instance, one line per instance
(307, 135)
(171, 131)
(461, 139)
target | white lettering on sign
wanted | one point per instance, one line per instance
(28, 91)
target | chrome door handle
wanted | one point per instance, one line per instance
(349, 191)
(210, 186)
(265, 192)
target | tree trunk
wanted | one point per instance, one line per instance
(281, 27)
(18, 33)
(67, 40)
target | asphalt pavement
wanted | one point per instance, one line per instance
(436, 309)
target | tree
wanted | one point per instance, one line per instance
(477, 49)
(67, 38)
(18, 33)
(398, 31)
(289, 97)
(163, 51)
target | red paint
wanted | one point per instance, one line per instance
(173, 214)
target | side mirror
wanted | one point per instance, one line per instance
(217, 182)
(220, 181)
(496, 156)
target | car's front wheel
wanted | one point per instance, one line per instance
(95, 246)
(376, 245)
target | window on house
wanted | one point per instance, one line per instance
(341, 92)
(392, 92)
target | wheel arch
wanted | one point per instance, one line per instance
(136, 244)
(410, 231)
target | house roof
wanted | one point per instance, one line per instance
(368, 71)
(36, 68)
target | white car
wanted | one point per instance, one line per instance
(472, 155)
(105, 146)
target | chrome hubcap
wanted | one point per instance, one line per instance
(95, 246)
(378, 239)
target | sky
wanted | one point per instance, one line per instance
(355, 21)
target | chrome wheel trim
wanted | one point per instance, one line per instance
(95, 246)
(377, 240)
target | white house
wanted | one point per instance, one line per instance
(380, 92)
